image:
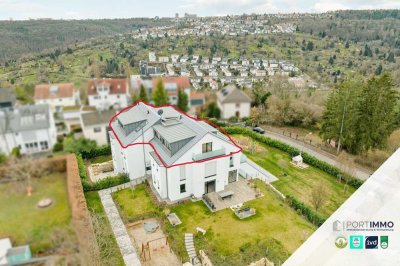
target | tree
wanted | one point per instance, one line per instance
(391, 58)
(318, 196)
(160, 96)
(183, 100)
(378, 70)
(367, 51)
(255, 115)
(142, 94)
(310, 46)
(213, 111)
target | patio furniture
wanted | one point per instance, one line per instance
(225, 194)
(201, 230)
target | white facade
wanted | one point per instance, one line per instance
(105, 101)
(32, 133)
(185, 177)
(229, 110)
(56, 104)
(97, 133)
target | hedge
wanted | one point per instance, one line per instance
(311, 216)
(101, 184)
(98, 151)
(309, 159)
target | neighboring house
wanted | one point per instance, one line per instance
(7, 98)
(56, 95)
(183, 156)
(71, 116)
(29, 127)
(233, 102)
(172, 85)
(108, 93)
(95, 125)
(197, 99)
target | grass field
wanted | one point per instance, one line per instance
(299, 182)
(101, 159)
(25, 223)
(275, 227)
(109, 250)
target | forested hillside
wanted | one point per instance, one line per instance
(24, 38)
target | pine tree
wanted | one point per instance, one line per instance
(143, 95)
(390, 58)
(160, 96)
(183, 100)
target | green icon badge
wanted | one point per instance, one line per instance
(384, 242)
(341, 242)
(356, 242)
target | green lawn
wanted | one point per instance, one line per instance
(300, 182)
(25, 223)
(101, 159)
(229, 240)
(109, 250)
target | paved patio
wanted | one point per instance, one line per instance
(242, 192)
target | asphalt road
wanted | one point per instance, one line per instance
(359, 172)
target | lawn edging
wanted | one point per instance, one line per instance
(107, 182)
(309, 159)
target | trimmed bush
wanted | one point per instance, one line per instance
(98, 151)
(309, 159)
(299, 206)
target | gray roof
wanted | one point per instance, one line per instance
(155, 157)
(97, 117)
(230, 94)
(25, 118)
(127, 117)
(175, 132)
(7, 95)
(186, 129)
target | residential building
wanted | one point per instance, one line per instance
(7, 98)
(184, 157)
(146, 70)
(95, 125)
(163, 59)
(29, 127)
(233, 102)
(70, 116)
(108, 93)
(152, 57)
(56, 95)
(172, 85)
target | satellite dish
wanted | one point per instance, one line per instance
(160, 112)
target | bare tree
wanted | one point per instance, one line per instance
(318, 196)
(23, 169)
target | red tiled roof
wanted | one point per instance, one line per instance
(64, 90)
(117, 86)
(181, 82)
(197, 95)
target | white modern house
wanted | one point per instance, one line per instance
(95, 125)
(56, 96)
(184, 157)
(29, 127)
(108, 93)
(233, 102)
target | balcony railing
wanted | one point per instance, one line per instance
(208, 155)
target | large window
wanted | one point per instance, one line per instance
(207, 147)
(183, 188)
(182, 174)
(44, 145)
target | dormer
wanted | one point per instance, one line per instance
(169, 116)
(132, 121)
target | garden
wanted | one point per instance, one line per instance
(275, 231)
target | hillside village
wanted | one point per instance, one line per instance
(164, 156)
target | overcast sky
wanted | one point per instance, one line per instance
(82, 9)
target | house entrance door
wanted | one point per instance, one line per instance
(209, 187)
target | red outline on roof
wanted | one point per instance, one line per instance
(180, 111)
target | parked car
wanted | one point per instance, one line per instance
(258, 130)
